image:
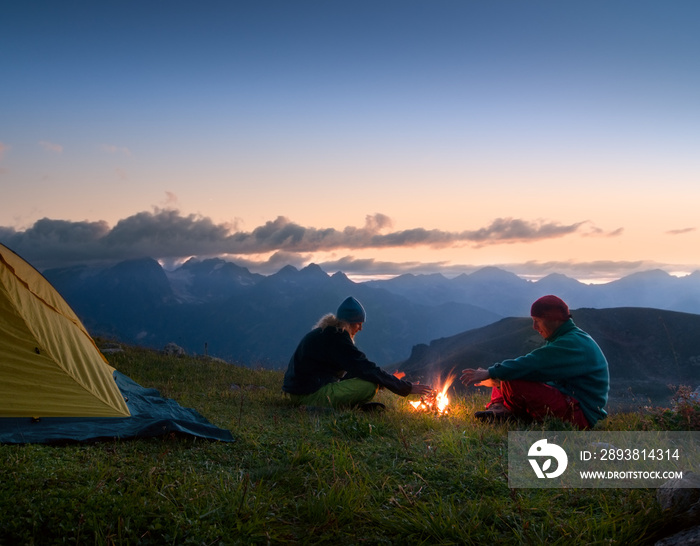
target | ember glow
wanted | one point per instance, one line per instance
(439, 403)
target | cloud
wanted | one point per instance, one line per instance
(51, 146)
(277, 261)
(282, 233)
(513, 230)
(369, 267)
(596, 270)
(112, 149)
(593, 231)
(170, 199)
(354, 267)
(681, 231)
(168, 235)
(58, 242)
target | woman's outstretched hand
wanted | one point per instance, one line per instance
(423, 390)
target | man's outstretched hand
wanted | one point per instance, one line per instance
(478, 377)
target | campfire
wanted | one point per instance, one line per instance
(438, 403)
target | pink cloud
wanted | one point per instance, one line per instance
(51, 146)
(112, 149)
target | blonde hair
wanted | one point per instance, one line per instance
(331, 321)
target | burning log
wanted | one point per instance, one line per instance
(438, 402)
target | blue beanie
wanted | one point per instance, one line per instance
(351, 311)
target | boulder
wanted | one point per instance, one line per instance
(688, 537)
(174, 350)
(680, 499)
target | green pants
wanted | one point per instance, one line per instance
(342, 394)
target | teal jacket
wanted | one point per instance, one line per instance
(571, 361)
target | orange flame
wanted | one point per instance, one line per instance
(439, 403)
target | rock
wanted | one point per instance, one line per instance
(174, 350)
(678, 495)
(689, 537)
(110, 348)
(681, 499)
(235, 387)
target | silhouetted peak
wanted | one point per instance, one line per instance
(653, 275)
(556, 276)
(137, 265)
(340, 278)
(313, 270)
(557, 279)
(286, 271)
(491, 273)
(191, 262)
(194, 264)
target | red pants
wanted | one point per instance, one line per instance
(537, 401)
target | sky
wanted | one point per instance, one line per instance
(371, 137)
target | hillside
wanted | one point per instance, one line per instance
(298, 476)
(647, 350)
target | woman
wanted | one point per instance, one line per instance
(327, 369)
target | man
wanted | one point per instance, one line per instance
(566, 378)
(327, 369)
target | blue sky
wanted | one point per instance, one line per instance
(372, 137)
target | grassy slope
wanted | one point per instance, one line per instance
(296, 476)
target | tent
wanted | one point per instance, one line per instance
(55, 384)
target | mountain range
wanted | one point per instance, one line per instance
(218, 308)
(223, 310)
(509, 295)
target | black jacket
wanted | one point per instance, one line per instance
(326, 355)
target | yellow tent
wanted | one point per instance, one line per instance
(49, 364)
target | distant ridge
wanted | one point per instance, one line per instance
(510, 295)
(647, 350)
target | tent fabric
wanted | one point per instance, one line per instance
(56, 385)
(151, 415)
(49, 364)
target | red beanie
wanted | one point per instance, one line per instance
(550, 308)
